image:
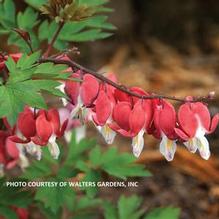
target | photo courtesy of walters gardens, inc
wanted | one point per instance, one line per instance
(71, 184)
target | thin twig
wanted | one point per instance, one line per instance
(54, 38)
(122, 88)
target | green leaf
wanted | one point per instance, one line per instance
(26, 61)
(55, 197)
(16, 95)
(95, 155)
(163, 213)
(46, 85)
(40, 169)
(128, 207)
(50, 70)
(88, 35)
(93, 2)
(9, 7)
(86, 202)
(23, 69)
(15, 39)
(86, 208)
(46, 30)
(7, 14)
(36, 4)
(28, 97)
(11, 65)
(77, 150)
(91, 176)
(121, 165)
(72, 28)
(110, 211)
(28, 19)
(10, 105)
(99, 22)
(11, 196)
(37, 170)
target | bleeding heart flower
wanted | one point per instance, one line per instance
(130, 122)
(27, 123)
(102, 115)
(194, 122)
(102, 110)
(82, 94)
(9, 153)
(165, 123)
(48, 128)
(39, 129)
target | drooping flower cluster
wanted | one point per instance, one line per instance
(34, 130)
(40, 128)
(114, 111)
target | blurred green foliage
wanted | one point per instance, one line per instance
(85, 159)
(41, 29)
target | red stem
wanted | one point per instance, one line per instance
(50, 46)
(122, 88)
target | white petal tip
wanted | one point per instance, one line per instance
(136, 154)
(169, 157)
(107, 133)
(54, 150)
(168, 148)
(205, 156)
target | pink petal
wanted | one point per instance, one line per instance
(63, 128)
(103, 108)
(117, 129)
(89, 89)
(64, 114)
(187, 120)
(43, 128)
(12, 149)
(121, 115)
(11, 164)
(38, 141)
(214, 123)
(72, 88)
(167, 119)
(121, 96)
(147, 105)
(137, 118)
(53, 118)
(139, 91)
(203, 114)
(181, 134)
(16, 139)
(26, 123)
